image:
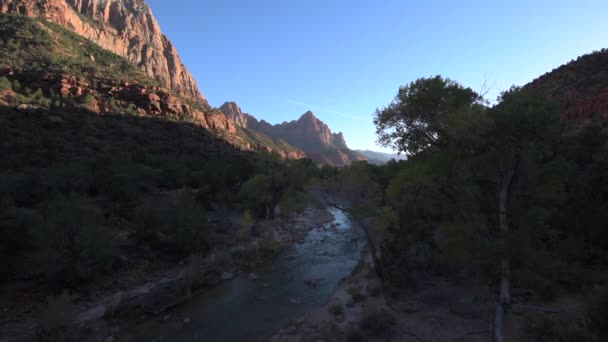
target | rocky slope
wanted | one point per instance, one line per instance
(254, 140)
(315, 138)
(579, 87)
(125, 27)
(234, 113)
(44, 66)
(308, 133)
(67, 70)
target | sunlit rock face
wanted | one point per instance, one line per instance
(125, 27)
(580, 88)
(308, 133)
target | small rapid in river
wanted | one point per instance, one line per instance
(297, 281)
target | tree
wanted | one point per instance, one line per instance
(416, 120)
(513, 161)
(484, 166)
(73, 238)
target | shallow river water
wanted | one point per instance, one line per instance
(299, 280)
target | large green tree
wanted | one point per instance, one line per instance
(494, 167)
(417, 119)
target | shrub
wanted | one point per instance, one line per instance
(73, 239)
(192, 274)
(56, 318)
(150, 219)
(374, 290)
(356, 294)
(336, 309)
(5, 84)
(268, 244)
(597, 312)
(181, 222)
(377, 322)
(187, 229)
(354, 334)
(549, 328)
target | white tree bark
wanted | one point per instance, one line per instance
(504, 300)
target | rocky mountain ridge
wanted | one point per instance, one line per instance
(579, 87)
(308, 133)
(125, 27)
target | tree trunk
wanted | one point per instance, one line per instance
(373, 252)
(504, 300)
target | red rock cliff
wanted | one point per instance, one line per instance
(126, 27)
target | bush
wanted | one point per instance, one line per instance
(374, 290)
(336, 309)
(73, 240)
(56, 318)
(548, 328)
(268, 244)
(597, 312)
(377, 323)
(150, 219)
(181, 223)
(192, 274)
(354, 334)
(188, 229)
(356, 294)
(5, 84)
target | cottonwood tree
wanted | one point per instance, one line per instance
(505, 153)
(417, 119)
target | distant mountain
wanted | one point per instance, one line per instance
(308, 133)
(247, 128)
(380, 157)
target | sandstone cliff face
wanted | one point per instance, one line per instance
(234, 113)
(106, 97)
(125, 27)
(258, 141)
(308, 133)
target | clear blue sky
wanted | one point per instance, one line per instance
(344, 58)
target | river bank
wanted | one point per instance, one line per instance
(144, 288)
(251, 306)
(358, 310)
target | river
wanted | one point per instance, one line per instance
(297, 281)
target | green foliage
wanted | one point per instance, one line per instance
(548, 328)
(56, 319)
(5, 84)
(356, 294)
(256, 194)
(336, 309)
(277, 181)
(597, 312)
(35, 45)
(377, 323)
(73, 238)
(118, 161)
(416, 119)
(437, 212)
(181, 223)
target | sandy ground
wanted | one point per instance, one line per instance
(424, 316)
(439, 312)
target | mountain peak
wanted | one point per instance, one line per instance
(308, 116)
(234, 113)
(230, 107)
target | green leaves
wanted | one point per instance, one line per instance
(417, 118)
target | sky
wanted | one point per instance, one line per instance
(342, 59)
